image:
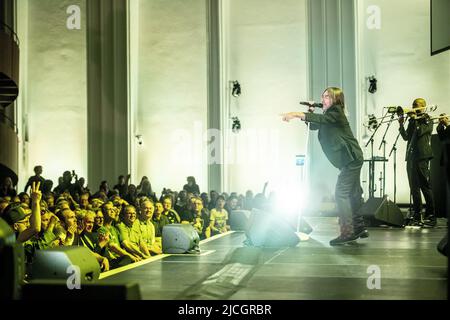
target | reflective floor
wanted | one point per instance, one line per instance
(393, 263)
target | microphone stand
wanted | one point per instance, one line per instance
(383, 144)
(372, 161)
(303, 172)
(394, 149)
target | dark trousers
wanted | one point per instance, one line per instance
(348, 195)
(419, 180)
(119, 262)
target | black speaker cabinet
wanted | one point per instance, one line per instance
(63, 262)
(12, 263)
(442, 246)
(179, 238)
(97, 290)
(270, 230)
(378, 211)
(239, 219)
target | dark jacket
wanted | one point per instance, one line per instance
(444, 137)
(335, 136)
(418, 135)
(192, 189)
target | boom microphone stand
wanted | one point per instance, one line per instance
(394, 149)
(383, 144)
(372, 159)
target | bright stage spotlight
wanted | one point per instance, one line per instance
(290, 203)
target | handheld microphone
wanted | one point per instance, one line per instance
(311, 104)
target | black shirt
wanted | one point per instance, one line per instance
(192, 189)
(159, 224)
(35, 179)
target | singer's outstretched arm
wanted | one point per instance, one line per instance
(332, 116)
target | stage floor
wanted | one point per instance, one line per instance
(407, 260)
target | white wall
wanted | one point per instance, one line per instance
(398, 54)
(266, 41)
(172, 92)
(53, 89)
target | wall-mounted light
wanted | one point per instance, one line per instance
(373, 84)
(236, 127)
(139, 139)
(236, 91)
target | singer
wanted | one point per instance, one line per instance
(343, 151)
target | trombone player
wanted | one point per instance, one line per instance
(443, 130)
(418, 156)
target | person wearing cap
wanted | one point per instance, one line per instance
(25, 227)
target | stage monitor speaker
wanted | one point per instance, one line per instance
(442, 246)
(304, 226)
(98, 290)
(180, 238)
(12, 263)
(239, 219)
(377, 211)
(270, 230)
(62, 262)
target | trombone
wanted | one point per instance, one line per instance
(400, 111)
(440, 118)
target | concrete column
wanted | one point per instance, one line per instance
(332, 62)
(108, 140)
(215, 170)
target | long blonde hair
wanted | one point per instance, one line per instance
(336, 95)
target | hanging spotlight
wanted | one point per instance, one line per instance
(373, 84)
(236, 127)
(236, 92)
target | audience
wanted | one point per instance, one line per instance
(171, 214)
(106, 221)
(130, 233)
(122, 185)
(159, 219)
(191, 186)
(36, 178)
(147, 228)
(218, 219)
(7, 188)
(197, 216)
